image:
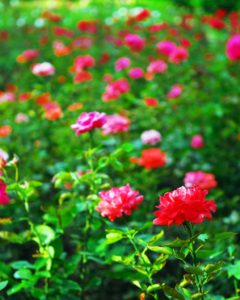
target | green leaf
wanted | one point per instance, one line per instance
(216, 267)
(117, 258)
(40, 263)
(176, 243)
(45, 234)
(224, 235)
(234, 270)
(154, 287)
(35, 183)
(186, 294)
(16, 288)
(103, 162)
(155, 238)
(198, 296)
(21, 264)
(208, 254)
(127, 147)
(22, 274)
(113, 237)
(194, 270)
(163, 250)
(203, 237)
(137, 283)
(172, 293)
(117, 164)
(15, 238)
(42, 274)
(159, 263)
(3, 284)
(145, 259)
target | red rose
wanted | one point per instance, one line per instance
(184, 205)
(151, 158)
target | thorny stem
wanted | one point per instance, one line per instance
(189, 229)
(131, 239)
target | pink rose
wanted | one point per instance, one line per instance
(43, 69)
(83, 62)
(115, 124)
(118, 201)
(233, 48)
(151, 137)
(157, 66)
(135, 42)
(136, 73)
(115, 89)
(166, 47)
(175, 92)
(20, 118)
(89, 121)
(197, 141)
(201, 179)
(122, 63)
(178, 55)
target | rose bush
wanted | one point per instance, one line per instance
(101, 107)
